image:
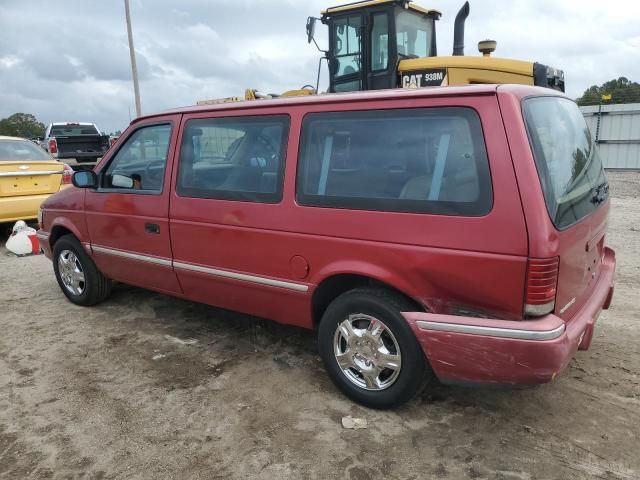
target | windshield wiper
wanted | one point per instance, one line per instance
(407, 55)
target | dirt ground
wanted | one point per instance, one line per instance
(146, 386)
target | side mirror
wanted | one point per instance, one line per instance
(85, 179)
(311, 28)
(121, 181)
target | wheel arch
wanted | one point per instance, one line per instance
(338, 283)
(61, 227)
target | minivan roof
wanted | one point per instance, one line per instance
(394, 93)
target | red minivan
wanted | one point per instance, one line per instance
(456, 232)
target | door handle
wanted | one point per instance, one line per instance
(152, 228)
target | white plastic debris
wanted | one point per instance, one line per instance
(23, 240)
(158, 356)
(179, 341)
(354, 423)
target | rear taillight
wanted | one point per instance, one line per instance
(53, 146)
(66, 175)
(542, 281)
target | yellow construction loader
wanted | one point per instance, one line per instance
(375, 44)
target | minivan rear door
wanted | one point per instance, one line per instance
(575, 191)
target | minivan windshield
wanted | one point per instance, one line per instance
(567, 159)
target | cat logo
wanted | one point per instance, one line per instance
(425, 78)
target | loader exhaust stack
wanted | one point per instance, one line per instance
(458, 30)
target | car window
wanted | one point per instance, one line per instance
(140, 163)
(379, 42)
(21, 150)
(239, 158)
(347, 33)
(430, 160)
(414, 33)
(569, 167)
(73, 130)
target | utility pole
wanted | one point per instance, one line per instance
(132, 53)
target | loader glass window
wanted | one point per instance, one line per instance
(380, 42)
(429, 160)
(233, 158)
(347, 45)
(414, 35)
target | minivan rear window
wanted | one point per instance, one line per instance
(423, 160)
(569, 167)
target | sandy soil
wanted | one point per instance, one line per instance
(147, 386)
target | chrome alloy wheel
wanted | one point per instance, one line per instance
(367, 352)
(71, 272)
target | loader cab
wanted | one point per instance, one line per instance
(367, 40)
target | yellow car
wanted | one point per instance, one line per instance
(28, 175)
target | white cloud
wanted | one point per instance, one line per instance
(9, 61)
(73, 62)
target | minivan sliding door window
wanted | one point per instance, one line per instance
(428, 160)
(233, 158)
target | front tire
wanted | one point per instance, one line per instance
(369, 350)
(77, 274)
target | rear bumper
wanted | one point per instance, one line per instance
(23, 207)
(488, 351)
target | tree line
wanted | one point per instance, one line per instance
(621, 90)
(26, 125)
(23, 125)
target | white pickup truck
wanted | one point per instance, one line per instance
(82, 141)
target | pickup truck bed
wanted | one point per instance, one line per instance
(84, 142)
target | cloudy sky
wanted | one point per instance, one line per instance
(68, 60)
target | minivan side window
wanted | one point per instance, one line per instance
(238, 158)
(140, 163)
(427, 160)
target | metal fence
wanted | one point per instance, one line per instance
(617, 130)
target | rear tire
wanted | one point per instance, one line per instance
(369, 349)
(77, 274)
